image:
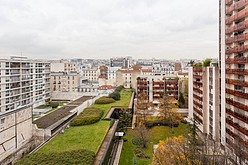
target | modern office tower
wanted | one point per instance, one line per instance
(234, 77)
(24, 84)
(204, 99)
(156, 86)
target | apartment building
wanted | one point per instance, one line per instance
(156, 86)
(204, 99)
(24, 84)
(234, 76)
(65, 81)
(91, 74)
(127, 77)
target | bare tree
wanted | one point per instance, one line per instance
(142, 105)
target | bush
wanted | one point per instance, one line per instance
(119, 88)
(115, 95)
(150, 124)
(79, 157)
(140, 154)
(137, 141)
(104, 100)
(88, 116)
(54, 104)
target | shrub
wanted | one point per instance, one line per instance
(161, 122)
(79, 157)
(88, 116)
(54, 104)
(104, 100)
(137, 141)
(119, 88)
(115, 95)
(140, 154)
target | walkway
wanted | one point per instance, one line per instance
(118, 153)
(100, 155)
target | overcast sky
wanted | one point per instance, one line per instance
(54, 29)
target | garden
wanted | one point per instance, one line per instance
(79, 143)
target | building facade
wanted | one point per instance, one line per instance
(204, 99)
(24, 84)
(234, 76)
(156, 86)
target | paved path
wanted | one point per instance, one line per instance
(100, 155)
(118, 153)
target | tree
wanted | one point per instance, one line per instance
(141, 132)
(167, 108)
(207, 62)
(142, 105)
(115, 95)
(181, 100)
(172, 151)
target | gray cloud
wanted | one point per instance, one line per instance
(101, 29)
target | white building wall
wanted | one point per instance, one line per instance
(223, 76)
(190, 90)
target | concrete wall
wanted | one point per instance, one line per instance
(16, 131)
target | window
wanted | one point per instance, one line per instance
(2, 120)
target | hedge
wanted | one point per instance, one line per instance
(115, 95)
(54, 104)
(88, 116)
(161, 122)
(104, 100)
(80, 157)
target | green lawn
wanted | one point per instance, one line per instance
(125, 99)
(82, 137)
(156, 133)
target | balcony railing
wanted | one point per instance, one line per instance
(197, 104)
(237, 38)
(229, 2)
(236, 49)
(197, 97)
(239, 26)
(237, 127)
(236, 137)
(237, 93)
(237, 71)
(237, 115)
(237, 104)
(197, 118)
(197, 76)
(197, 83)
(197, 69)
(237, 82)
(237, 16)
(237, 60)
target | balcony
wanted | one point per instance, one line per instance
(197, 69)
(197, 84)
(237, 60)
(237, 93)
(229, 2)
(197, 76)
(142, 82)
(171, 82)
(237, 38)
(236, 49)
(237, 127)
(240, 26)
(197, 90)
(237, 82)
(237, 104)
(197, 104)
(158, 82)
(197, 97)
(236, 137)
(237, 71)
(239, 15)
(197, 118)
(237, 115)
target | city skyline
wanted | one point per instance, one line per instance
(96, 29)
